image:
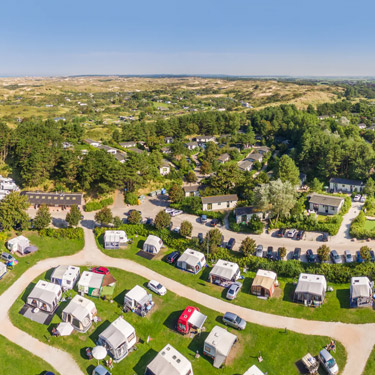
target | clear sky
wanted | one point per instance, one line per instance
(250, 37)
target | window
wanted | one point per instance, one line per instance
(49, 197)
(131, 337)
(219, 203)
(207, 349)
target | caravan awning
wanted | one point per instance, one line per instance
(219, 360)
(197, 319)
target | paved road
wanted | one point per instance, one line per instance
(357, 339)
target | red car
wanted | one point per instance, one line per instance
(101, 270)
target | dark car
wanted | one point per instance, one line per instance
(231, 243)
(372, 256)
(277, 255)
(324, 237)
(281, 232)
(269, 252)
(149, 221)
(300, 235)
(214, 222)
(172, 257)
(335, 257)
(359, 258)
(297, 253)
(203, 219)
(310, 256)
(7, 257)
(200, 238)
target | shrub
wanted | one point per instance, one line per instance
(162, 220)
(248, 246)
(131, 198)
(186, 228)
(69, 233)
(97, 205)
(323, 253)
(134, 217)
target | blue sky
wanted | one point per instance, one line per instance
(253, 37)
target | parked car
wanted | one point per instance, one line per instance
(363, 198)
(233, 320)
(101, 270)
(231, 243)
(156, 287)
(259, 251)
(176, 230)
(324, 237)
(200, 238)
(281, 232)
(372, 256)
(291, 233)
(7, 257)
(233, 290)
(214, 222)
(357, 198)
(300, 235)
(348, 256)
(149, 221)
(310, 256)
(297, 253)
(335, 257)
(204, 219)
(328, 362)
(277, 256)
(173, 256)
(100, 370)
(176, 213)
(168, 210)
(359, 258)
(269, 252)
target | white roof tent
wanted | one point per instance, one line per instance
(90, 283)
(19, 244)
(360, 291)
(191, 261)
(153, 244)
(218, 345)
(310, 288)
(169, 362)
(224, 271)
(79, 313)
(65, 276)
(118, 338)
(253, 370)
(45, 296)
(138, 300)
(114, 239)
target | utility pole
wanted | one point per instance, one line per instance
(208, 243)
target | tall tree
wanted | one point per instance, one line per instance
(104, 216)
(73, 216)
(286, 170)
(162, 220)
(13, 211)
(176, 193)
(42, 218)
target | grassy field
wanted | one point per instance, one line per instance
(15, 360)
(280, 350)
(370, 366)
(335, 307)
(369, 224)
(48, 248)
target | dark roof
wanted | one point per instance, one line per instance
(244, 210)
(224, 157)
(345, 181)
(220, 198)
(326, 200)
(52, 199)
(189, 189)
(255, 156)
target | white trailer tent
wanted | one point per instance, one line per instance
(311, 289)
(360, 292)
(218, 345)
(153, 244)
(224, 273)
(138, 301)
(118, 339)
(45, 296)
(191, 261)
(90, 283)
(114, 239)
(79, 313)
(3, 270)
(19, 244)
(253, 370)
(65, 276)
(169, 361)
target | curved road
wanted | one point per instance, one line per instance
(357, 339)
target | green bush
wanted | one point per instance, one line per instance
(254, 226)
(69, 233)
(358, 230)
(131, 198)
(97, 205)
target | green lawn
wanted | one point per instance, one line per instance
(48, 248)
(18, 361)
(369, 224)
(280, 350)
(335, 307)
(370, 366)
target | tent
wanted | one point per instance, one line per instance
(311, 289)
(253, 370)
(153, 244)
(3, 270)
(190, 318)
(79, 313)
(264, 283)
(191, 261)
(90, 283)
(19, 244)
(218, 345)
(360, 292)
(224, 271)
(169, 362)
(118, 338)
(114, 239)
(65, 276)
(65, 329)
(45, 296)
(138, 301)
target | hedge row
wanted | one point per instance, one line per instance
(69, 233)
(97, 205)
(358, 230)
(254, 226)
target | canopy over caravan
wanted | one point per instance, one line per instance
(360, 292)
(191, 260)
(191, 318)
(153, 244)
(65, 276)
(138, 301)
(114, 239)
(90, 283)
(45, 296)
(18, 244)
(224, 272)
(311, 289)
(264, 283)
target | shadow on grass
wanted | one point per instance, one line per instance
(205, 274)
(196, 345)
(246, 286)
(27, 291)
(289, 292)
(90, 369)
(94, 336)
(146, 358)
(119, 299)
(343, 295)
(171, 321)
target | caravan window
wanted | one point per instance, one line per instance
(131, 337)
(207, 349)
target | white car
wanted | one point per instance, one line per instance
(363, 198)
(291, 233)
(156, 287)
(176, 212)
(233, 290)
(357, 198)
(169, 210)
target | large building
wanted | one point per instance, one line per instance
(345, 186)
(219, 202)
(63, 200)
